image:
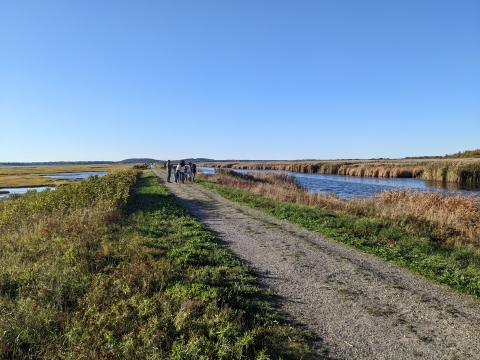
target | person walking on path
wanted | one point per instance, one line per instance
(188, 174)
(181, 171)
(193, 167)
(169, 170)
(175, 174)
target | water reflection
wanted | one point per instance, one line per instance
(452, 185)
(353, 186)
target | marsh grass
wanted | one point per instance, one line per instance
(34, 176)
(461, 170)
(433, 234)
(98, 277)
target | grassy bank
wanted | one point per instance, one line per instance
(93, 270)
(433, 235)
(458, 170)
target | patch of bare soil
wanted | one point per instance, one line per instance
(358, 306)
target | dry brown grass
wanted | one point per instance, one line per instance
(34, 176)
(384, 171)
(378, 168)
(450, 218)
(446, 218)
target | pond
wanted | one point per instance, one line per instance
(76, 175)
(59, 176)
(354, 186)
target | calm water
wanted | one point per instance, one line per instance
(22, 190)
(64, 176)
(353, 186)
(76, 175)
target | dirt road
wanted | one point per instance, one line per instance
(360, 307)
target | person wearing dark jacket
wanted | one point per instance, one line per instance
(169, 170)
(193, 167)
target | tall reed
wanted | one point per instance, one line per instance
(457, 171)
(460, 171)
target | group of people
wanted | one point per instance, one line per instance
(181, 172)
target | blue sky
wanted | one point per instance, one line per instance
(110, 80)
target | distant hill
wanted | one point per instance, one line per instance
(194, 160)
(137, 161)
(187, 160)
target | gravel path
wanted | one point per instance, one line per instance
(360, 307)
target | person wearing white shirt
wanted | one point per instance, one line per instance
(181, 171)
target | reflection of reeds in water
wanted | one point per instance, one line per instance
(463, 170)
(446, 218)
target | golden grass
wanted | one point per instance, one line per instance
(11, 177)
(451, 218)
(448, 219)
(460, 170)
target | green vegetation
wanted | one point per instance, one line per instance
(93, 270)
(401, 227)
(143, 166)
(465, 154)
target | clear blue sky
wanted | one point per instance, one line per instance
(109, 80)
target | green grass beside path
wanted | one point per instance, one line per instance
(143, 281)
(457, 266)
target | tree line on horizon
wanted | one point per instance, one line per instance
(464, 154)
(459, 155)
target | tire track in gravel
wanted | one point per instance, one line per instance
(359, 306)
